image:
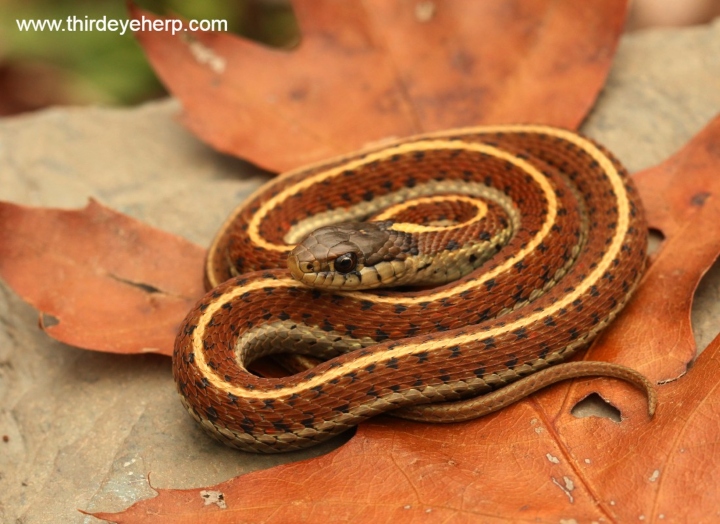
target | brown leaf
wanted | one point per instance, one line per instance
(366, 71)
(681, 198)
(521, 464)
(110, 282)
(536, 461)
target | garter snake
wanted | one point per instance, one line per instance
(541, 240)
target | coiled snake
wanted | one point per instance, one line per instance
(531, 239)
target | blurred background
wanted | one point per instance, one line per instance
(45, 68)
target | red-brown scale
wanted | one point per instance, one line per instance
(582, 190)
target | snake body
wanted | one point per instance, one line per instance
(545, 247)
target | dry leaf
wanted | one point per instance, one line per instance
(518, 465)
(367, 71)
(535, 461)
(107, 281)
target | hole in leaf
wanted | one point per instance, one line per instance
(655, 240)
(48, 321)
(705, 313)
(595, 406)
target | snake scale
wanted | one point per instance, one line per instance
(533, 238)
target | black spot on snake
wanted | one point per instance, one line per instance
(545, 349)
(318, 389)
(212, 415)
(280, 426)
(521, 333)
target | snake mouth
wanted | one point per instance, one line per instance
(301, 270)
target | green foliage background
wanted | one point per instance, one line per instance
(104, 67)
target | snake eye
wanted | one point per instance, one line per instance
(346, 262)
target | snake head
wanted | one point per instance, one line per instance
(351, 255)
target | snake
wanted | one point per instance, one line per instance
(437, 278)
